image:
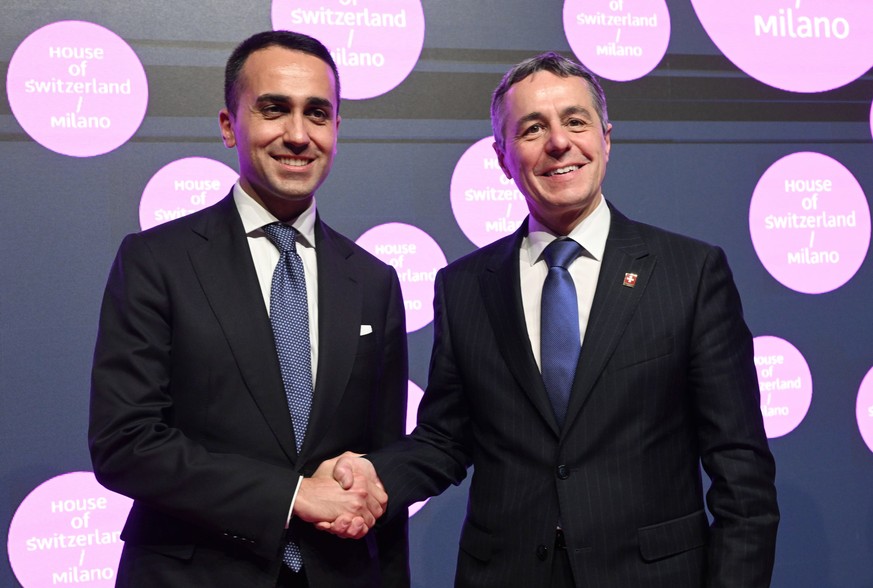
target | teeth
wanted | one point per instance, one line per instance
(293, 162)
(563, 170)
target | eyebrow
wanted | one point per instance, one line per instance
(570, 110)
(283, 99)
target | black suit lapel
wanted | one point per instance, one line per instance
(226, 272)
(614, 304)
(339, 323)
(501, 291)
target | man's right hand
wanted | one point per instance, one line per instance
(345, 504)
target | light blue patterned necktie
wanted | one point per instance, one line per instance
(289, 315)
(559, 335)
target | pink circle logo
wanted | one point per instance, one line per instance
(414, 396)
(417, 259)
(487, 205)
(182, 187)
(864, 409)
(810, 223)
(68, 531)
(620, 40)
(77, 88)
(375, 43)
(785, 384)
(794, 45)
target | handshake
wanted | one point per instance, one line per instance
(343, 497)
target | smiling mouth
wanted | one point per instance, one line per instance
(562, 170)
(291, 161)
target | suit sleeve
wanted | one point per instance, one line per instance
(733, 444)
(390, 425)
(135, 448)
(436, 453)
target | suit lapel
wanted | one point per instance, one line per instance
(614, 304)
(225, 270)
(501, 291)
(339, 322)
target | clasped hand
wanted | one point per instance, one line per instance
(343, 497)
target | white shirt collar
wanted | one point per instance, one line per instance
(591, 234)
(254, 216)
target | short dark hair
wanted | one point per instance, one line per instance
(288, 40)
(552, 63)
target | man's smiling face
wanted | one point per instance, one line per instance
(554, 147)
(284, 128)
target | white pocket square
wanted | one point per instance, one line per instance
(366, 330)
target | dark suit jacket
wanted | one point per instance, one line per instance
(189, 416)
(665, 381)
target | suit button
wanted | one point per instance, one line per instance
(542, 552)
(563, 472)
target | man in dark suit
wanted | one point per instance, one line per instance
(193, 412)
(587, 472)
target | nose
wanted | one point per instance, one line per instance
(296, 135)
(558, 142)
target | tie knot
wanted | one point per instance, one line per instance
(562, 252)
(281, 235)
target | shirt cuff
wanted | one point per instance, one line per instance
(293, 500)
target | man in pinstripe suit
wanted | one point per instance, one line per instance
(607, 490)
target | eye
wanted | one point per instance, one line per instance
(576, 123)
(272, 110)
(533, 129)
(318, 114)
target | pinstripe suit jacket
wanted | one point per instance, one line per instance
(665, 382)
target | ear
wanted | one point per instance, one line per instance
(225, 123)
(607, 138)
(500, 155)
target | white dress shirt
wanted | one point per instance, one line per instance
(265, 256)
(591, 234)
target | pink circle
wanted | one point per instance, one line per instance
(620, 40)
(864, 409)
(794, 45)
(414, 396)
(487, 205)
(413, 399)
(810, 222)
(67, 531)
(375, 43)
(77, 88)
(785, 384)
(417, 258)
(182, 187)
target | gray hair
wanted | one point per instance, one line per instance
(552, 63)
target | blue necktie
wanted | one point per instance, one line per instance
(289, 315)
(559, 335)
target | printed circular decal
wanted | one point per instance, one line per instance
(68, 531)
(414, 396)
(785, 384)
(864, 409)
(417, 259)
(375, 43)
(620, 40)
(77, 88)
(794, 45)
(810, 222)
(487, 205)
(182, 187)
